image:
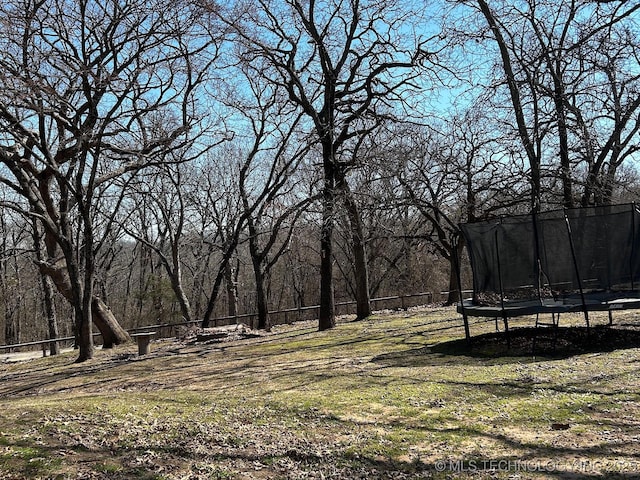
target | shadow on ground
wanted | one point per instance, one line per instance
(520, 345)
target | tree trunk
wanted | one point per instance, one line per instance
(174, 271)
(84, 313)
(85, 334)
(50, 312)
(261, 297)
(361, 268)
(206, 321)
(563, 137)
(257, 264)
(327, 317)
(12, 323)
(454, 295)
(232, 290)
(47, 293)
(197, 292)
(516, 102)
(183, 301)
(10, 298)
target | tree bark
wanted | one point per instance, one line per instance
(10, 288)
(105, 321)
(175, 275)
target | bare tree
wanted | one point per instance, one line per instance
(162, 227)
(222, 221)
(273, 195)
(216, 210)
(94, 91)
(345, 65)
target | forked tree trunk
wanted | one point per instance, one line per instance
(217, 283)
(258, 272)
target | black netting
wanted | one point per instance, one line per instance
(555, 253)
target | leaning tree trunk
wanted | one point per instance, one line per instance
(104, 319)
(111, 331)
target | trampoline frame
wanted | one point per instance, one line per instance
(581, 301)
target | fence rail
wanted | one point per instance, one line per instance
(277, 317)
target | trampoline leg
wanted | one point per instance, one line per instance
(610, 317)
(467, 333)
(506, 330)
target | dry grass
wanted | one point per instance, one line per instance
(394, 396)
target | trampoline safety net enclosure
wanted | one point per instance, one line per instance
(561, 260)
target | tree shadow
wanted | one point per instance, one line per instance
(519, 345)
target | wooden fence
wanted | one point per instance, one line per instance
(277, 317)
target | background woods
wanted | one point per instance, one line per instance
(192, 160)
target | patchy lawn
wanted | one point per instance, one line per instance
(395, 396)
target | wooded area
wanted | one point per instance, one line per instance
(196, 159)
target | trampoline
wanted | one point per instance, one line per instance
(570, 260)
